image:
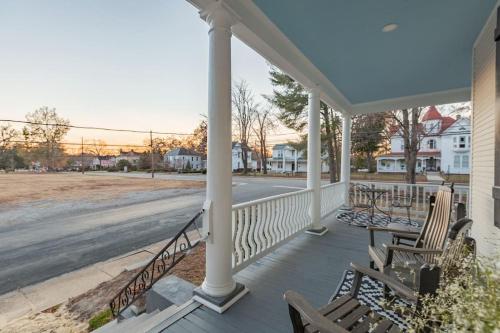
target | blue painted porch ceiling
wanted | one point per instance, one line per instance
(430, 51)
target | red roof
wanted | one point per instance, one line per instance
(432, 114)
(446, 122)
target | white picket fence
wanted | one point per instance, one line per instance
(332, 197)
(421, 194)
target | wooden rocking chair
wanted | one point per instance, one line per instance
(429, 241)
(347, 314)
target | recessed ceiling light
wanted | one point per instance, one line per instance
(389, 27)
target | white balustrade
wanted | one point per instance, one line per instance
(421, 194)
(260, 226)
(332, 197)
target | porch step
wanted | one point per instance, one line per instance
(125, 325)
(153, 322)
(165, 300)
(168, 291)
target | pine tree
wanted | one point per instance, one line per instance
(291, 99)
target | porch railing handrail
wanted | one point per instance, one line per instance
(277, 196)
(260, 226)
(332, 185)
(420, 193)
(166, 259)
(455, 186)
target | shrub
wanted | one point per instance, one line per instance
(100, 319)
(467, 301)
(123, 163)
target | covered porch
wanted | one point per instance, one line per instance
(381, 58)
(351, 80)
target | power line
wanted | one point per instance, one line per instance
(115, 129)
(93, 128)
(80, 144)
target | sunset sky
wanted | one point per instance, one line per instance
(115, 63)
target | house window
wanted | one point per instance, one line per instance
(431, 144)
(402, 146)
(465, 161)
(454, 142)
(461, 142)
(456, 161)
(280, 153)
(192, 158)
(468, 141)
(280, 165)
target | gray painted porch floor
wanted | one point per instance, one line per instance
(309, 264)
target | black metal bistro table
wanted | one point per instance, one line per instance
(373, 195)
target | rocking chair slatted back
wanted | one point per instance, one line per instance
(459, 245)
(433, 236)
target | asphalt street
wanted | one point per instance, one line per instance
(36, 247)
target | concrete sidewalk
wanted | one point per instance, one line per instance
(434, 177)
(35, 298)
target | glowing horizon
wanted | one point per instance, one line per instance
(117, 64)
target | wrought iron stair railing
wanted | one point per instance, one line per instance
(166, 259)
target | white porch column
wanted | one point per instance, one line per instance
(345, 171)
(219, 290)
(314, 161)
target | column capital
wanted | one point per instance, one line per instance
(314, 91)
(219, 15)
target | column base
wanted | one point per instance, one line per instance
(317, 231)
(220, 304)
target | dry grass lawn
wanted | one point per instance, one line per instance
(19, 188)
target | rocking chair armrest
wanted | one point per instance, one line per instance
(410, 235)
(389, 281)
(416, 250)
(372, 230)
(310, 314)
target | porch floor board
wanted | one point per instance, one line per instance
(308, 264)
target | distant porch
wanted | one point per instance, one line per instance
(395, 162)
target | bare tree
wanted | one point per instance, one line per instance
(8, 152)
(7, 135)
(98, 148)
(263, 124)
(244, 110)
(407, 122)
(45, 130)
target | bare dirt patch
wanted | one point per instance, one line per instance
(21, 188)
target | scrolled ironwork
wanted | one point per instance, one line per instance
(155, 269)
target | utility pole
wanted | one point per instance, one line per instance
(83, 168)
(152, 155)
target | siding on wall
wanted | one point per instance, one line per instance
(483, 131)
